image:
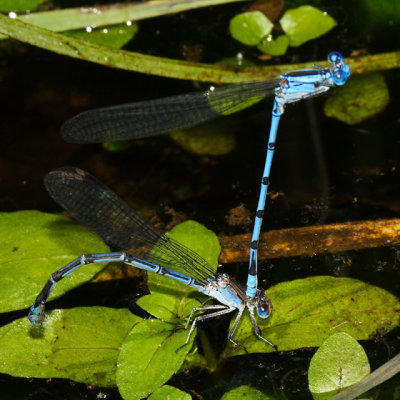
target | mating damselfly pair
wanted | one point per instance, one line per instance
(95, 206)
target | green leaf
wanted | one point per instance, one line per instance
(104, 15)
(166, 307)
(250, 28)
(197, 238)
(245, 392)
(19, 5)
(361, 98)
(340, 362)
(113, 36)
(307, 311)
(305, 23)
(275, 47)
(167, 392)
(33, 246)
(149, 356)
(81, 344)
(212, 139)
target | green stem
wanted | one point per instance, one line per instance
(166, 67)
(208, 361)
(208, 350)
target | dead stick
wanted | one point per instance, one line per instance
(307, 241)
(312, 240)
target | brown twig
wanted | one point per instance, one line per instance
(313, 240)
(293, 242)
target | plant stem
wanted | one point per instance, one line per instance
(166, 67)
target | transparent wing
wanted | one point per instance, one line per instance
(94, 205)
(156, 117)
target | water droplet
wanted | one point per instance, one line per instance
(88, 29)
(129, 23)
(105, 30)
(12, 15)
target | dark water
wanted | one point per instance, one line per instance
(324, 172)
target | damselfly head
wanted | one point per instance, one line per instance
(341, 71)
(36, 314)
(264, 305)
